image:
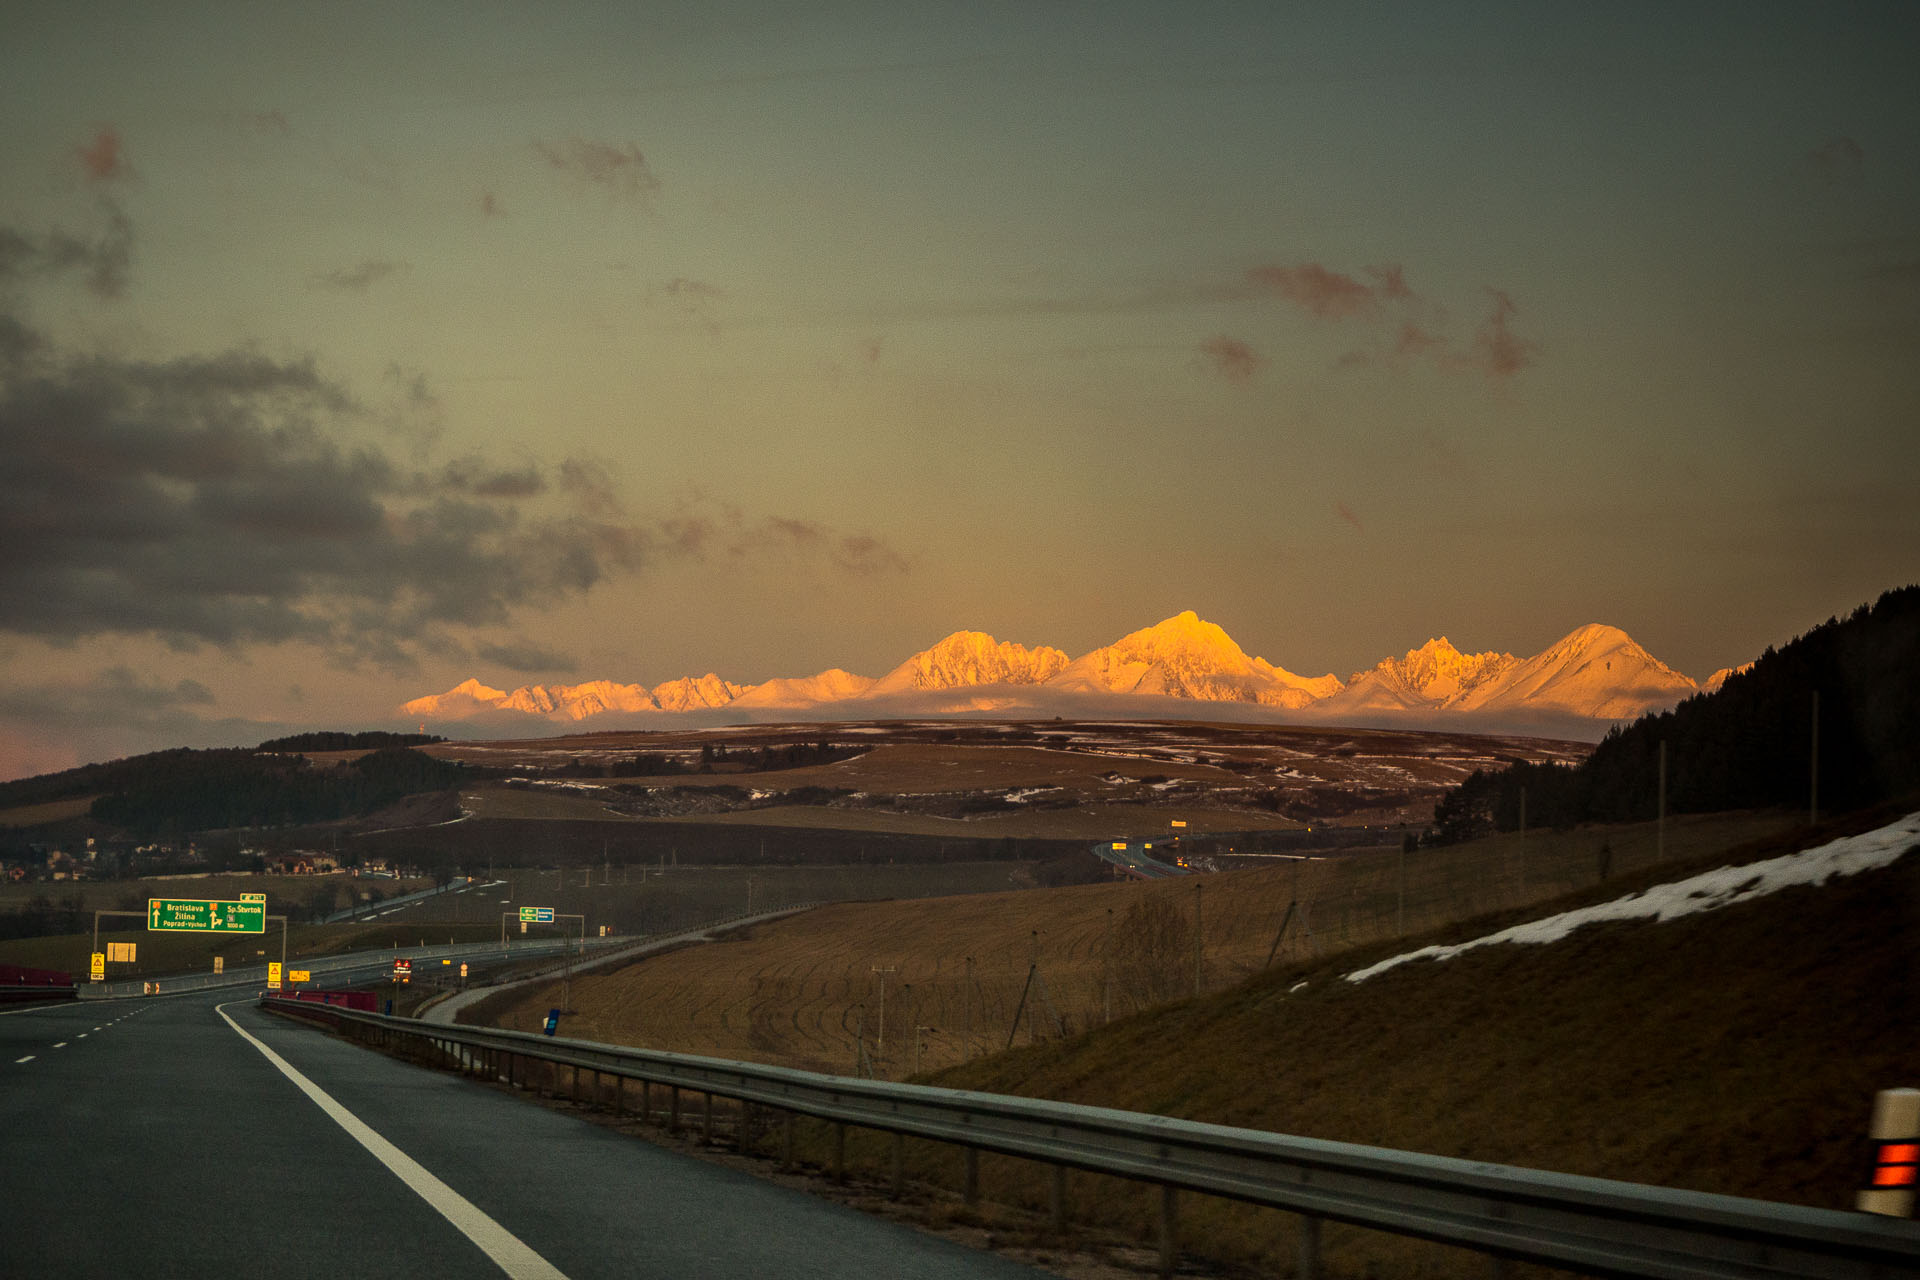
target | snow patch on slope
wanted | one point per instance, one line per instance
(1708, 891)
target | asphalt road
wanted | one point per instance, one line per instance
(154, 1137)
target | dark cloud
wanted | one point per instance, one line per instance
(705, 531)
(623, 171)
(525, 656)
(104, 261)
(105, 158)
(358, 279)
(1231, 358)
(474, 475)
(221, 500)
(1839, 161)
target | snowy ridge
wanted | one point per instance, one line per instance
(1591, 678)
(1707, 891)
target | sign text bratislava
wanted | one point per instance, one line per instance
(204, 915)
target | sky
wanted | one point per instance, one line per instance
(350, 350)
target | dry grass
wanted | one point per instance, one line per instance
(803, 992)
(33, 815)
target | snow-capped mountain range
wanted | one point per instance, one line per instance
(1594, 677)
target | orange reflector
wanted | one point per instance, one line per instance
(1893, 1175)
(1900, 1153)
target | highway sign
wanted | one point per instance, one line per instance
(253, 897)
(299, 975)
(120, 952)
(202, 915)
(538, 915)
(273, 975)
(99, 969)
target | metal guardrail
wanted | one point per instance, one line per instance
(1591, 1225)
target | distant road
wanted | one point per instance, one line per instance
(156, 1137)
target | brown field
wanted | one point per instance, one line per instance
(804, 992)
(1013, 780)
(34, 815)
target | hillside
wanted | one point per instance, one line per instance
(1752, 742)
(1735, 1051)
(797, 992)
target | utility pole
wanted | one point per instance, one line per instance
(1523, 841)
(966, 1015)
(1196, 936)
(1660, 830)
(1813, 767)
(880, 1036)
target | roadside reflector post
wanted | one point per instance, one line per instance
(1895, 1133)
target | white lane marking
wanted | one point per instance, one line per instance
(61, 1045)
(18, 1061)
(507, 1250)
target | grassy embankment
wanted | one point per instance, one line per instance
(1735, 1051)
(799, 991)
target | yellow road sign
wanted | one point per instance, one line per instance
(273, 975)
(99, 969)
(299, 975)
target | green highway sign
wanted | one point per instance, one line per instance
(201, 915)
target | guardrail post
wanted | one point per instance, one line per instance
(839, 1152)
(1307, 1263)
(1169, 1229)
(706, 1118)
(673, 1109)
(899, 1164)
(1057, 1200)
(646, 1102)
(619, 1095)
(786, 1144)
(970, 1188)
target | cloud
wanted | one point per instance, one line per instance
(105, 158)
(1838, 161)
(1329, 294)
(1231, 358)
(1413, 340)
(1497, 351)
(223, 500)
(525, 656)
(358, 279)
(622, 171)
(474, 475)
(703, 531)
(105, 261)
(1345, 512)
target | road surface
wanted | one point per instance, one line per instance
(194, 1135)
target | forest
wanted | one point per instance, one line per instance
(1751, 744)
